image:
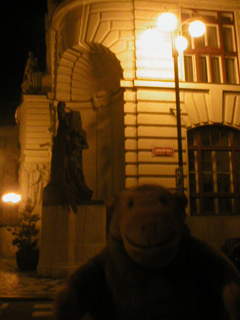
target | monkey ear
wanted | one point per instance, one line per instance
(181, 198)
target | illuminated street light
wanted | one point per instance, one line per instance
(11, 198)
(181, 43)
(151, 37)
(197, 28)
(167, 22)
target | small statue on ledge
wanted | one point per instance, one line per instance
(32, 76)
(67, 185)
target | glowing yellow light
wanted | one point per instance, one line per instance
(150, 38)
(11, 197)
(181, 43)
(197, 28)
(167, 22)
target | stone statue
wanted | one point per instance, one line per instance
(32, 75)
(67, 185)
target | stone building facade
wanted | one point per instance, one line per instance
(99, 64)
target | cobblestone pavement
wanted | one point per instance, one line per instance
(17, 284)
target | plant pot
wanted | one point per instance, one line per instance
(27, 259)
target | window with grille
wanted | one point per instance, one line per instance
(213, 57)
(214, 170)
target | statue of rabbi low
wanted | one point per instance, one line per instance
(67, 185)
(152, 268)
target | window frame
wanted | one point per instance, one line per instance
(234, 172)
(218, 19)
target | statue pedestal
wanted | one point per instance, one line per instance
(68, 240)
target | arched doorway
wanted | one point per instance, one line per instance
(89, 82)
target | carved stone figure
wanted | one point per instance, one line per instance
(67, 185)
(32, 75)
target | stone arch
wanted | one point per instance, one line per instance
(82, 28)
(94, 50)
(89, 82)
(211, 107)
(88, 76)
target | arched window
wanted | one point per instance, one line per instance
(214, 170)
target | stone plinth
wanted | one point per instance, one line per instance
(68, 239)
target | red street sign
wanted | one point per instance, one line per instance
(162, 151)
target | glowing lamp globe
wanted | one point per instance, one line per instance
(167, 22)
(181, 43)
(197, 28)
(151, 38)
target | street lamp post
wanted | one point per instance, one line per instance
(179, 171)
(168, 22)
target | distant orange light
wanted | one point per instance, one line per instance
(11, 197)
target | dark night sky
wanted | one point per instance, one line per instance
(22, 29)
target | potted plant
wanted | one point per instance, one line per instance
(25, 238)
